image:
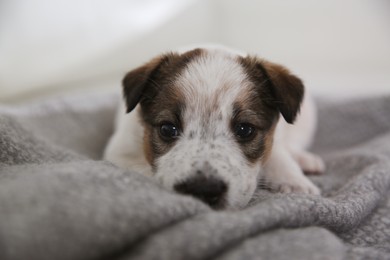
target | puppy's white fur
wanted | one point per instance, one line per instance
(203, 82)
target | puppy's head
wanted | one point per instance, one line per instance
(209, 118)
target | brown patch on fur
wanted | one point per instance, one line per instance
(268, 142)
(152, 85)
(154, 144)
(281, 88)
(252, 110)
(149, 155)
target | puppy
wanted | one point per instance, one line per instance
(213, 123)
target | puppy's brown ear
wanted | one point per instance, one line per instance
(286, 88)
(136, 81)
(143, 83)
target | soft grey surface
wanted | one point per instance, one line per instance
(58, 200)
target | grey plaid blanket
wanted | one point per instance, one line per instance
(59, 200)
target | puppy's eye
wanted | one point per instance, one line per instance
(244, 131)
(169, 130)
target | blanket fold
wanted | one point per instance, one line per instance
(59, 200)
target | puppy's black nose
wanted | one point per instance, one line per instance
(208, 189)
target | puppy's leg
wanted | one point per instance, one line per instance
(285, 175)
(297, 138)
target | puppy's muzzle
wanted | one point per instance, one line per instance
(210, 190)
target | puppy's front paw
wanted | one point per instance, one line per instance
(285, 174)
(310, 163)
(305, 186)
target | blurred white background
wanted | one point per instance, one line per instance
(340, 48)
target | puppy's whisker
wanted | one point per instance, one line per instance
(265, 184)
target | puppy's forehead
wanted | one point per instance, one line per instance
(213, 76)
